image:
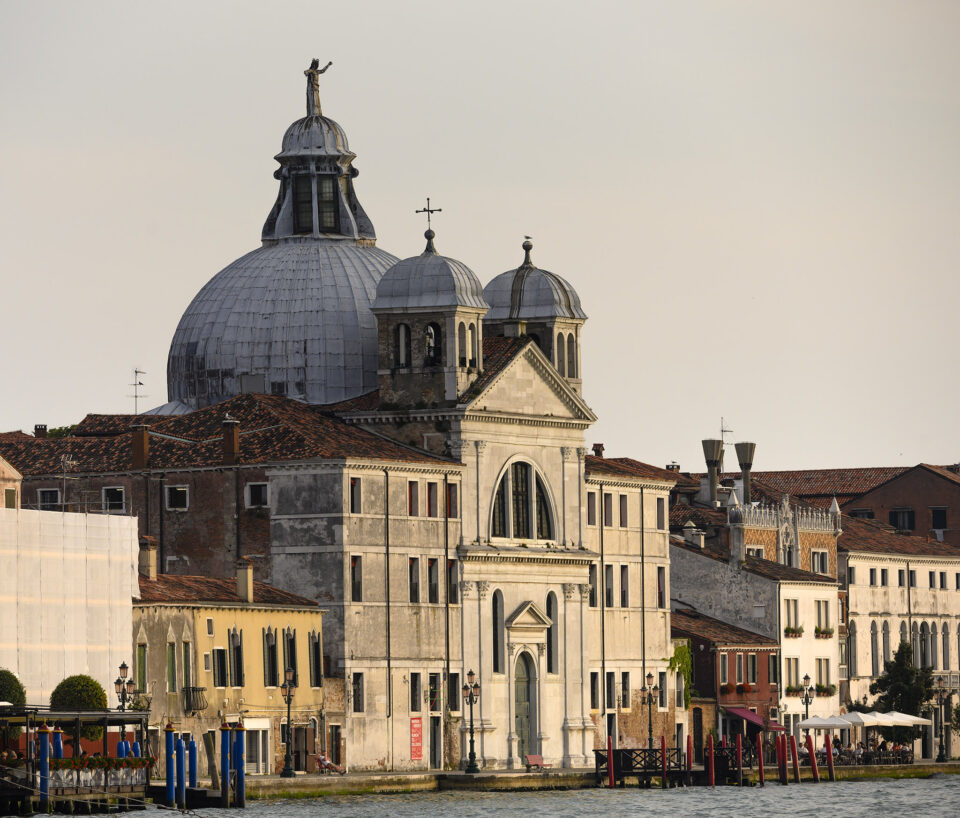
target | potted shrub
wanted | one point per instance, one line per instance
(822, 633)
(792, 631)
(726, 687)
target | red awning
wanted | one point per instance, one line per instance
(753, 718)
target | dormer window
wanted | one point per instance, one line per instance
(302, 204)
(327, 204)
(327, 210)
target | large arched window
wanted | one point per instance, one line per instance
(852, 649)
(571, 356)
(552, 633)
(462, 343)
(401, 346)
(432, 345)
(915, 643)
(561, 354)
(903, 633)
(498, 632)
(521, 507)
(886, 641)
(923, 646)
(874, 651)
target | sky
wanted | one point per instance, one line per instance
(757, 202)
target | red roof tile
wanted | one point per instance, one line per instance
(497, 353)
(820, 486)
(628, 468)
(681, 514)
(873, 537)
(15, 436)
(176, 588)
(112, 425)
(690, 622)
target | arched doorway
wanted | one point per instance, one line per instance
(525, 706)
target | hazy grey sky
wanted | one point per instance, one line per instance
(757, 201)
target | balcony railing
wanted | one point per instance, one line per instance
(194, 699)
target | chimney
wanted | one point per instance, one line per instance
(245, 579)
(598, 450)
(148, 557)
(40, 431)
(713, 453)
(231, 441)
(674, 467)
(141, 445)
(745, 452)
(693, 535)
(955, 468)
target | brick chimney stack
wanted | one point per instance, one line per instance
(148, 558)
(141, 445)
(245, 579)
(231, 441)
(598, 450)
(40, 431)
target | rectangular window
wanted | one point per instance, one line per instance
(913, 578)
(823, 672)
(207, 666)
(754, 551)
(884, 577)
(209, 626)
(413, 498)
(112, 499)
(938, 518)
(413, 572)
(356, 505)
(435, 691)
(453, 595)
(933, 579)
(454, 694)
(752, 668)
(236, 658)
(433, 509)
(611, 699)
(623, 511)
(957, 581)
(187, 666)
(791, 608)
(357, 692)
(594, 690)
(316, 660)
(452, 500)
(142, 668)
(171, 667)
(819, 562)
(608, 510)
(9, 498)
(792, 667)
(943, 580)
(219, 667)
(591, 508)
(290, 654)
(739, 668)
(356, 579)
(661, 587)
(873, 576)
(850, 575)
(625, 690)
(593, 585)
(433, 581)
(48, 499)
(661, 514)
(178, 498)
(772, 669)
(608, 585)
(902, 519)
(327, 210)
(416, 693)
(663, 689)
(724, 671)
(302, 203)
(678, 687)
(624, 586)
(901, 577)
(862, 513)
(823, 613)
(257, 495)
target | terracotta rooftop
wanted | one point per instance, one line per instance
(15, 436)
(628, 468)
(272, 429)
(175, 588)
(689, 622)
(681, 514)
(820, 486)
(870, 536)
(112, 425)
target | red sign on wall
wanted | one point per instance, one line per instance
(416, 739)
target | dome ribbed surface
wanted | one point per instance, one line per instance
(297, 313)
(530, 293)
(429, 280)
(314, 136)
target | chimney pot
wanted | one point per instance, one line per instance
(598, 450)
(713, 453)
(245, 579)
(141, 445)
(674, 466)
(745, 453)
(231, 441)
(40, 431)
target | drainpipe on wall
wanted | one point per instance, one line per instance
(444, 577)
(386, 542)
(643, 603)
(602, 586)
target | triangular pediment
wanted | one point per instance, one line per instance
(530, 385)
(528, 617)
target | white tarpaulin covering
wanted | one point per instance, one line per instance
(66, 584)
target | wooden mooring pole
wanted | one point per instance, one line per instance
(796, 760)
(610, 775)
(812, 756)
(829, 748)
(710, 776)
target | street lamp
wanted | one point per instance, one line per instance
(125, 691)
(941, 694)
(471, 693)
(649, 692)
(807, 698)
(288, 688)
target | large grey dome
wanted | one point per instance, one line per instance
(428, 281)
(531, 293)
(293, 317)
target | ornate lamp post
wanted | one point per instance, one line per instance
(941, 694)
(125, 688)
(806, 698)
(471, 693)
(649, 692)
(288, 688)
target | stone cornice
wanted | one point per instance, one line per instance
(490, 554)
(628, 483)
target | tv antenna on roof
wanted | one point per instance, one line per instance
(137, 383)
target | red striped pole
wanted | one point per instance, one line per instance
(610, 761)
(710, 777)
(813, 759)
(829, 747)
(739, 760)
(663, 762)
(760, 757)
(689, 760)
(796, 762)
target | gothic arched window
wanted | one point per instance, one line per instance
(521, 506)
(552, 633)
(561, 354)
(852, 649)
(874, 651)
(932, 652)
(903, 632)
(401, 343)
(571, 356)
(886, 641)
(945, 658)
(498, 632)
(432, 347)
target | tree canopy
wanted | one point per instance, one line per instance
(903, 687)
(80, 692)
(11, 690)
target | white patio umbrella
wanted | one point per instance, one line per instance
(860, 719)
(820, 723)
(883, 719)
(906, 720)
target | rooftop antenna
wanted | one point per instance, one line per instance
(137, 383)
(724, 431)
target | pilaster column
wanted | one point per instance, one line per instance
(479, 446)
(581, 454)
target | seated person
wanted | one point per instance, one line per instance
(326, 765)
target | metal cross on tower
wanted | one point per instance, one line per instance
(428, 210)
